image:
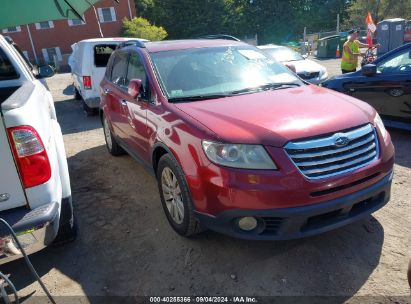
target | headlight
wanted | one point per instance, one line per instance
(380, 125)
(238, 155)
(324, 74)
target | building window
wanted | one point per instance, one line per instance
(44, 25)
(106, 14)
(12, 29)
(51, 54)
(75, 22)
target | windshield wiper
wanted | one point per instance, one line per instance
(197, 97)
(265, 87)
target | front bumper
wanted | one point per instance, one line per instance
(298, 222)
(35, 229)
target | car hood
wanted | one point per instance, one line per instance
(306, 65)
(276, 117)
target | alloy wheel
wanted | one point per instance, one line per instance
(107, 134)
(172, 195)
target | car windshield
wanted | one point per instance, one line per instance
(219, 71)
(283, 54)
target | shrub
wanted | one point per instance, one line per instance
(141, 28)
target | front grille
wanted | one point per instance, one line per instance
(334, 154)
(309, 75)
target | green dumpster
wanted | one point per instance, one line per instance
(327, 46)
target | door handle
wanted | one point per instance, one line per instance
(123, 102)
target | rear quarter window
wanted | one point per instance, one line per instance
(7, 70)
(102, 54)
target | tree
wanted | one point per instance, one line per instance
(380, 10)
(141, 28)
(272, 20)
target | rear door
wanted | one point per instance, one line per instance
(11, 191)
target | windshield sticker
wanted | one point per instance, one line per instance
(251, 54)
(228, 55)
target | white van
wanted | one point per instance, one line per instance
(88, 64)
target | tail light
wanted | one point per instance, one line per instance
(87, 82)
(30, 155)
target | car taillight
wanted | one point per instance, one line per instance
(87, 82)
(30, 155)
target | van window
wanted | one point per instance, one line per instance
(7, 70)
(119, 69)
(102, 54)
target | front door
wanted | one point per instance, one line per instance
(389, 91)
(136, 109)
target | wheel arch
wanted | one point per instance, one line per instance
(159, 149)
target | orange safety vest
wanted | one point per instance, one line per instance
(349, 62)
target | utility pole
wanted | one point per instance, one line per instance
(338, 24)
(303, 47)
(376, 12)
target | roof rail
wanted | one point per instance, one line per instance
(137, 43)
(220, 36)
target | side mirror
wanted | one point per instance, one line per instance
(369, 70)
(134, 88)
(45, 71)
(291, 67)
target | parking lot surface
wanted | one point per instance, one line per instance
(126, 247)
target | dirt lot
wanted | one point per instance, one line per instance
(126, 247)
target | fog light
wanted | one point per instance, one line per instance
(247, 223)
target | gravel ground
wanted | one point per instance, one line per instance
(126, 247)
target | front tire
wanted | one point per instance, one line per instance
(175, 197)
(112, 146)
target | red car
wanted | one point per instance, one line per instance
(241, 145)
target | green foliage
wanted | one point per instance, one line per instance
(380, 10)
(141, 28)
(271, 20)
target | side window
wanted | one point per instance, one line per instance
(109, 68)
(119, 69)
(7, 70)
(136, 70)
(399, 64)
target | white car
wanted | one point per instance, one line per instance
(305, 68)
(88, 63)
(35, 192)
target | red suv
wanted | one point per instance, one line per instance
(239, 144)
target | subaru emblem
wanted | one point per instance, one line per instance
(341, 141)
